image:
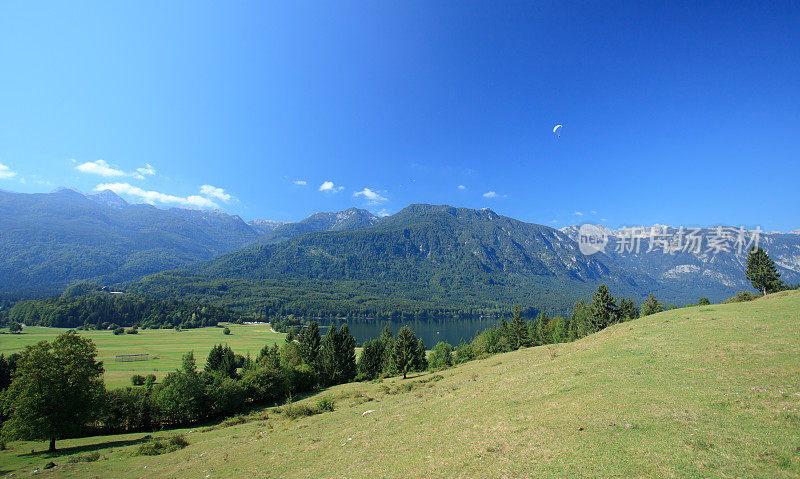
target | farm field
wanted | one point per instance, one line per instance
(710, 391)
(164, 346)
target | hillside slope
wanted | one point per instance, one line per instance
(694, 392)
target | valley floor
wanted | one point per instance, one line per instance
(709, 391)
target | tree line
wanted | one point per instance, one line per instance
(112, 311)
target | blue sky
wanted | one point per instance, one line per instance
(673, 113)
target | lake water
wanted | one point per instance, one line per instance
(431, 331)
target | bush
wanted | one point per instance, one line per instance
(226, 331)
(150, 380)
(703, 301)
(91, 457)
(15, 328)
(741, 297)
(133, 330)
(227, 396)
(325, 403)
(137, 380)
(154, 447)
(302, 378)
(265, 384)
(118, 331)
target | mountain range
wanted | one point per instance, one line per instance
(425, 259)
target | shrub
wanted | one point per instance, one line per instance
(264, 384)
(154, 447)
(119, 330)
(227, 396)
(15, 328)
(133, 330)
(302, 378)
(226, 331)
(741, 297)
(703, 301)
(91, 457)
(150, 380)
(137, 380)
(325, 403)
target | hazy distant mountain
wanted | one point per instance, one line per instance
(265, 226)
(352, 218)
(49, 240)
(706, 259)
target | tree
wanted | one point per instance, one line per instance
(651, 305)
(703, 301)
(604, 308)
(442, 356)
(15, 328)
(56, 391)
(310, 343)
(406, 354)
(761, 272)
(580, 323)
(226, 331)
(518, 330)
(221, 359)
(182, 395)
(337, 357)
(370, 364)
(627, 310)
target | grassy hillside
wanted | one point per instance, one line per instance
(165, 347)
(697, 392)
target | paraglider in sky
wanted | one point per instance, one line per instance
(557, 130)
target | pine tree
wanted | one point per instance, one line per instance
(761, 272)
(604, 308)
(406, 354)
(310, 342)
(627, 310)
(518, 329)
(651, 305)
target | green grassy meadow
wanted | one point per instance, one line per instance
(165, 346)
(709, 391)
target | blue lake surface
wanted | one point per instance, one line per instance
(431, 331)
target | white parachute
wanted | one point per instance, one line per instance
(557, 130)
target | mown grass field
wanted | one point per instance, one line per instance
(698, 392)
(165, 347)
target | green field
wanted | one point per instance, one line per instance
(165, 346)
(697, 392)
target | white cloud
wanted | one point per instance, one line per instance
(330, 187)
(372, 196)
(99, 167)
(594, 212)
(382, 213)
(147, 170)
(462, 187)
(300, 182)
(153, 197)
(102, 168)
(6, 172)
(214, 192)
(554, 221)
(578, 213)
(490, 194)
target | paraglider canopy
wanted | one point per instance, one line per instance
(557, 130)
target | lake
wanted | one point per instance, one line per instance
(431, 331)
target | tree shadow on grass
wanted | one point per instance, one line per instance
(67, 451)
